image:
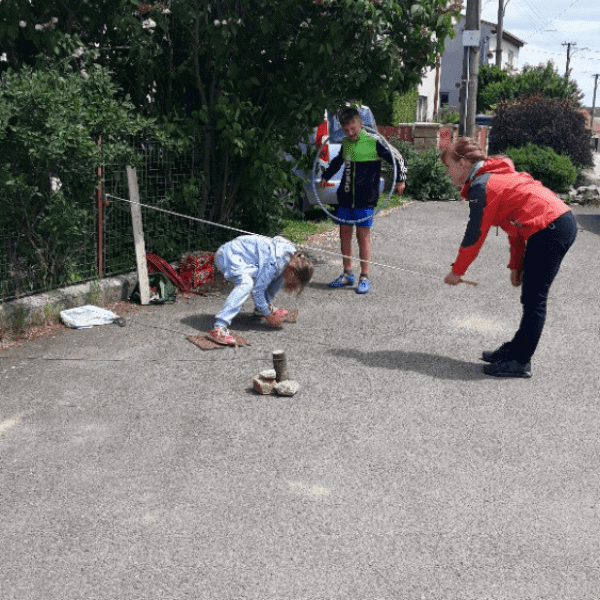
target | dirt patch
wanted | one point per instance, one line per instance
(12, 338)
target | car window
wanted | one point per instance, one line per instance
(336, 133)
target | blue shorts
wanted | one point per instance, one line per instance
(354, 214)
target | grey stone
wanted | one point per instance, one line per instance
(287, 387)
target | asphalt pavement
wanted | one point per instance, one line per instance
(135, 465)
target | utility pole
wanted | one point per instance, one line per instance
(468, 96)
(568, 45)
(499, 33)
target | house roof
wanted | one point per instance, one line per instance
(506, 35)
(586, 113)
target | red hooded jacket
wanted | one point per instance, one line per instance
(500, 196)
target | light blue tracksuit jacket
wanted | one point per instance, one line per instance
(254, 264)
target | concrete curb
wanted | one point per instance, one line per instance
(111, 289)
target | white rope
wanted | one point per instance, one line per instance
(304, 246)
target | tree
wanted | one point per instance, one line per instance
(555, 123)
(252, 77)
(51, 120)
(248, 78)
(496, 85)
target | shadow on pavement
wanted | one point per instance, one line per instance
(242, 322)
(433, 365)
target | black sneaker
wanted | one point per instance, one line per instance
(508, 368)
(502, 353)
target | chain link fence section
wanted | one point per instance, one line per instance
(30, 264)
(168, 178)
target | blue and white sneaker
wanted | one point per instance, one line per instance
(345, 279)
(364, 285)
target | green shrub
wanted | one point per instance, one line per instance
(51, 120)
(405, 107)
(554, 171)
(451, 117)
(427, 177)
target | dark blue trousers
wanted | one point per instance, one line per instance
(543, 255)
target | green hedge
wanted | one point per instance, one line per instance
(405, 107)
(555, 171)
(427, 177)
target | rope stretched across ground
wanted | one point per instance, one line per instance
(242, 231)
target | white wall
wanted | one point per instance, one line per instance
(452, 59)
(427, 90)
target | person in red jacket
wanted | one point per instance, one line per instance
(540, 228)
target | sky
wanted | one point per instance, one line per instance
(545, 25)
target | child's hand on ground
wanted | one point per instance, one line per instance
(274, 319)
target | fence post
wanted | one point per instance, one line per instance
(99, 218)
(138, 235)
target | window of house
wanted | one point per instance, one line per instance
(422, 109)
(444, 98)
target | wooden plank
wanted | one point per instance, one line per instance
(138, 235)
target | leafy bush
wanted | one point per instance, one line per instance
(405, 107)
(496, 85)
(450, 117)
(50, 124)
(554, 171)
(427, 177)
(547, 122)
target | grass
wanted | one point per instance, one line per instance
(297, 231)
(316, 221)
(20, 326)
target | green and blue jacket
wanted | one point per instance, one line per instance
(359, 187)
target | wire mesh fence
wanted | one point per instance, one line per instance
(30, 264)
(167, 180)
(103, 246)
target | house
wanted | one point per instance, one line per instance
(427, 99)
(589, 122)
(452, 59)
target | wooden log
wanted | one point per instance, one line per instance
(280, 365)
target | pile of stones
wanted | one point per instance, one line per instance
(585, 190)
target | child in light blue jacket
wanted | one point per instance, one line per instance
(259, 266)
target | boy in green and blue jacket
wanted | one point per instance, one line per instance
(358, 193)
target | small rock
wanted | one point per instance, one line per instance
(585, 179)
(263, 386)
(268, 374)
(287, 387)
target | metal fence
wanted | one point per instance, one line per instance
(167, 179)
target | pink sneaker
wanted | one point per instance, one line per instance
(280, 312)
(221, 335)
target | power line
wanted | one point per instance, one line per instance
(552, 20)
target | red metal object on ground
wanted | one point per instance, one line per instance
(156, 263)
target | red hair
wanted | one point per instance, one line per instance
(464, 147)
